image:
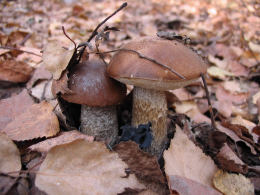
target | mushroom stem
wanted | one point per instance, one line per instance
(151, 105)
(100, 122)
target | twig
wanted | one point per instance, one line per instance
(209, 102)
(146, 58)
(94, 33)
(64, 32)
(17, 49)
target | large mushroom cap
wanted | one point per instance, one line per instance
(90, 85)
(129, 68)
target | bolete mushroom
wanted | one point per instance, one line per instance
(151, 79)
(98, 95)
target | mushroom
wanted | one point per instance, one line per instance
(98, 95)
(151, 79)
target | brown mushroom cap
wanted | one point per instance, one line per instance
(90, 85)
(129, 68)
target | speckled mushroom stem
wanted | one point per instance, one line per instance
(100, 122)
(151, 105)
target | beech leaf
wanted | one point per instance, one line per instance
(83, 167)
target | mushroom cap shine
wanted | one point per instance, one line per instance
(129, 68)
(91, 85)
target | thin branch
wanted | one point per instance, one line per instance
(209, 102)
(146, 58)
(17, 49)
(64, 32)
(94, 33)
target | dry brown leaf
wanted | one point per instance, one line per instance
(37, 121)
(218, 73)
(42, 91)
(185, 159)
(61, 85)
(233, 184)
(9, 156)
(238, 120)
(186, 186)
(224, 95)
(82, 167)
(216, 61)
(14, 71)
(145, 166)
(191, 109)
(229, 161)
(39, 74)
(63, 138)
(12, 107)
(56, 59)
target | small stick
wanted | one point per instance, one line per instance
(209, 102)
(147, 58)
(17, 49)
(64, 32)
(94, 33)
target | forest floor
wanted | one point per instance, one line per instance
(41, 152)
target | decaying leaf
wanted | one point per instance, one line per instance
(12, 107)
(186, 186)
(233, 184)
(13, 71)
(37, 121)
(191, 109)
(61, 85)
(56, 58)
(63, 138)
(219, 73)
(83, 167)
(9, 156)
(39, 74)
(185, 159)
(145, 166)
(229, 161)
(42, 91)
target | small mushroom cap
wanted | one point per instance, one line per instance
(91, 85)
(129, 68)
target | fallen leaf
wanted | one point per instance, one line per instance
(42, 91)
(191, 109)
(39, 74)
(185, 159)
(9, 156)
(14, 71)
(61, 85)
(63, 138)
(229, 161)
(56, 59)
(233, 184)
(216, 61)
(83, 167)
(218, 73)
(186, 186)
(36, 122)
(256, 97)
(144, 165)
(254, 47)
(238, 120)
(12, 107)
